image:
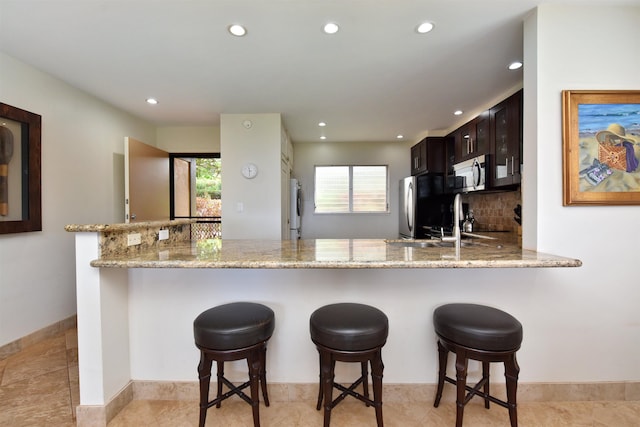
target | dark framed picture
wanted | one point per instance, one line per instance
(20, 173)
(601, 147)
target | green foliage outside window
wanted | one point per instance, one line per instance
(208, 180)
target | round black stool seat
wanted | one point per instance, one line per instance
(229, 332)
(478, 327)
(349, 327)
(233, 326)
(349, 332)
(485, 334)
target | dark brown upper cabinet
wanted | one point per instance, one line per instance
(472, 139)
(506, 141)
(428, 155)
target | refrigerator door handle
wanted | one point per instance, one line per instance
(409, 205)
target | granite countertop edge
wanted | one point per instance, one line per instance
(529, 259)
(502, 250)
(86, 228)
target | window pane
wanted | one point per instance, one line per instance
(332, 189)
(369, 188)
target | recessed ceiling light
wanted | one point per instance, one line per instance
(425, 27)
(323, 137)
(152, 101)
(515, 65)
(237, 30)
(400, 136)
(457, 112)
(321, 124)
(331, 28)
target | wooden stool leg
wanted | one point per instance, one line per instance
(461, 382)
(204, 375)
(364, 372)
(511, 373)
(254, 377)
(263, 374)
(442, 371)
(220, 376)
(320, 393)
(327, 369)
(377, 368)
(485, 377)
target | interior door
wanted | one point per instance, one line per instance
(182, 187)
(146, 183)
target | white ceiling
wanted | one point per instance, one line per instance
(376, 78)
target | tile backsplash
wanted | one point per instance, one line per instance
(494, 211)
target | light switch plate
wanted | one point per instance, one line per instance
(134, 239)
(163, 234)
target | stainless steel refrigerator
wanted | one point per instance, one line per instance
(422, 204)
(295, 220)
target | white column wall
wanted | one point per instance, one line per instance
(103, 325)
(251, 208)
(593, 312)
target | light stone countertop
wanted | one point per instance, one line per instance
(124, 227)
(333, 253)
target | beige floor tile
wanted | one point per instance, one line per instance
(616, 414)
(39, 359)
(3, 363)
(37, 401)
(39, 387)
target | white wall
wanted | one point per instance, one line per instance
(385, 225)
(580, 324)
(251, 208)
(82, 182)
(188, 139)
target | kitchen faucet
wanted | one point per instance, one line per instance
(457, 207)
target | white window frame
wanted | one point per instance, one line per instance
(351, 211)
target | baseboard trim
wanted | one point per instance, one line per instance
(527, 392)
(37, 336)
(99, 416)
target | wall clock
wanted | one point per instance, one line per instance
(249, 170)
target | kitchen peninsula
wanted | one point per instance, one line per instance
(136, 304)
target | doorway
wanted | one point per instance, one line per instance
(196, 192)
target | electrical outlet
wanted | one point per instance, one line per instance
(134, 239)
(163, 234)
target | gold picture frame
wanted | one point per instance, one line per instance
(601, 147)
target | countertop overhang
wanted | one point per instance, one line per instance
(329, 253)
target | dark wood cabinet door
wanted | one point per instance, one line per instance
(428, 156)
(419, 158)
(482, 130)
(506, 137)
(473, 138)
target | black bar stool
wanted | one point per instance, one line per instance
(349, 332)
(479, 333)
(234, 331)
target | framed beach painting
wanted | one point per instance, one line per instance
(601, 147)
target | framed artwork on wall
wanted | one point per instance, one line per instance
(20, 174)
(601, 147)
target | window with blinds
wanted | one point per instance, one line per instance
(351, 189)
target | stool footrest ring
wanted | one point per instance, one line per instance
(233, 390)
(475, 391)
(351, 392)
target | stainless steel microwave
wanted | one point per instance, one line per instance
(470, 175)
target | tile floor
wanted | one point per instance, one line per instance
(39, 387)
